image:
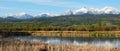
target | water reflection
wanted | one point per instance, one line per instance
(111, 42)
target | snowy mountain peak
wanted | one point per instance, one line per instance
(110, 10)
(68, 12)
(22, 13)
(83, 10)
(105, 10)
(44, 15)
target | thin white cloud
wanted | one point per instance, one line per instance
(5, 8)
(8, 8)
(58, 3)
(15, 8)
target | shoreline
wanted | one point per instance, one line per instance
(92, 34)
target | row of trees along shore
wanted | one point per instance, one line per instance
(46, 27)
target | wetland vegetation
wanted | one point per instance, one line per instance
(71, 27)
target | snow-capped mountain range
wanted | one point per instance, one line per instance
(83, 10)
(105, 10)
(21, 15)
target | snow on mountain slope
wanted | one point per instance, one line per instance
(23, 15)
(84, 10)
(105, 10)
(110, 10)
(68, 12)
(44, 15)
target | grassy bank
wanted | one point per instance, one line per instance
(96, 34)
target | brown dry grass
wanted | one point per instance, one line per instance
(15, 45)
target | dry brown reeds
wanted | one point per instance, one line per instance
(16, 45)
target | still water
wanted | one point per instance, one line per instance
(111, 42)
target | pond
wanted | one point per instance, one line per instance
(111, 42)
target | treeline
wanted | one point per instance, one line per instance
(40, 27)
(84, 22)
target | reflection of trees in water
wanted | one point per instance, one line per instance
(6, 34)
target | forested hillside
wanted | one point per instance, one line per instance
(85, 22)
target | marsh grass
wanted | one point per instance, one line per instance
(16, 45)
(95, 34)
(11, 45)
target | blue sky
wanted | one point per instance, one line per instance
(51, 6)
